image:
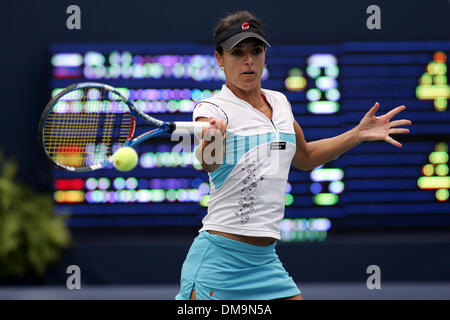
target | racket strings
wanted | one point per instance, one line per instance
(85, 127)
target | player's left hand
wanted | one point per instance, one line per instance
(373, 128)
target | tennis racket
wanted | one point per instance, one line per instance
(84, 124)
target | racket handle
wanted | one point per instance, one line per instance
(189, 127)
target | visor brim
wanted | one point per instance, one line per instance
(231, 42)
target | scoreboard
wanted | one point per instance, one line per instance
(330, 87)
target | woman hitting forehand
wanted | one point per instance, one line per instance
(234, 257)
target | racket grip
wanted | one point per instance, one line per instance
(189, 127)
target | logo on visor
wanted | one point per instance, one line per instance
(245, 26)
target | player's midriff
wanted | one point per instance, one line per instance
(258, 241)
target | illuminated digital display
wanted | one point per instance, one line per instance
(330, 88)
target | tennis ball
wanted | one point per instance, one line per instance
(125, 159)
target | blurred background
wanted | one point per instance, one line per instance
(129, 233)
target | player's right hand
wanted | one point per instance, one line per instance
(216, 127)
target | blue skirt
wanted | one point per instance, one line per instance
(224, 269)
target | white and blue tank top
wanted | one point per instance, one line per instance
(247, 190)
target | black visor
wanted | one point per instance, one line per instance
(239, 31)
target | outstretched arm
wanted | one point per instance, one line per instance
(310, 155)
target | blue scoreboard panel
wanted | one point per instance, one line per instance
(330, 88)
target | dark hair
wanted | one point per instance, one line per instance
(230, 20)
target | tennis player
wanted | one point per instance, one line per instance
(234, 256)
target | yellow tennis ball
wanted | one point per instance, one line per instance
(125, 159)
